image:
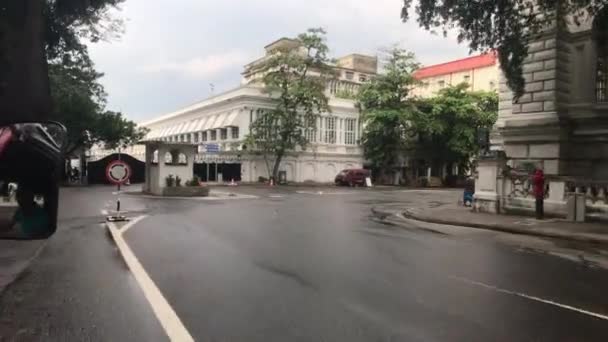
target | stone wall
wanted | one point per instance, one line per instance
(549, 125)
(557, 124)
(529, 129)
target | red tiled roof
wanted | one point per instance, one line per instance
(468, 63)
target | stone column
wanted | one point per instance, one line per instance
(229, 133)
(531, 128)
(149, 156)
(488, 188)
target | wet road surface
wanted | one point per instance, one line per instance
(301, 265)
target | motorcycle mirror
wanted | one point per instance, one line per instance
(30, 158)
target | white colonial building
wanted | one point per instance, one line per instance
(221, 123)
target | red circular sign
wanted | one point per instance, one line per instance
(118, 172)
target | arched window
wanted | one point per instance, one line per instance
(600, 36)
(182, 159)
(168, 158)
(155, 157)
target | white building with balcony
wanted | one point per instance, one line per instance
(221, 123)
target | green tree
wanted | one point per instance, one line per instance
(79, 103)
(34, 31)
(448, 124)
(46, 71)
(503, 25)
(388, 112)
(295, 76)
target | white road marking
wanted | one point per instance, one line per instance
(534, 298)
(275, 196)
(169, 320)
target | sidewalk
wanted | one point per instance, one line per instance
(443, 208)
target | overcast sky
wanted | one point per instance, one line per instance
(172, 51)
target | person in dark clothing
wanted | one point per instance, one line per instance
(538, 180)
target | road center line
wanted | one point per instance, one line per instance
(167, 317)
(534, 298)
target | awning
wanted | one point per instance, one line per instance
(164, 131)
(191, 125)
(201, 124)
(182, 128)
(172, 130)
(219, 122)
(209, 123)
(231, 118)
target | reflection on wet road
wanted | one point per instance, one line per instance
(291, 266)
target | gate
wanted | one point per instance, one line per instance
(96, 171)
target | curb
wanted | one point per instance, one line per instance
(495, 227)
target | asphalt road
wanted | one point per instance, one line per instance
(295, 265)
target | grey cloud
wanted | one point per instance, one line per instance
(172, 51)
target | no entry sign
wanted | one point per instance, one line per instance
(118, 172)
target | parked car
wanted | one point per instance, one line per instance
(352, 177)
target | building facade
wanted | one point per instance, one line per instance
(560, 124)
(221, 123)
(480, 72)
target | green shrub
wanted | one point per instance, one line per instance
(195, 181)
(169, 181)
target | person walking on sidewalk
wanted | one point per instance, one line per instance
(538, 179)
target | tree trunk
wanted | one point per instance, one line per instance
(24, 82)
(83, 168)
(277, 164)
(267, 162)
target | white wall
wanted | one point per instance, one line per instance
(302, 168)
(155, 185)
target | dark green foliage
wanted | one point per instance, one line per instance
(503, 25)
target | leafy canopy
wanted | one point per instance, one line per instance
(33, 32)
(501, 25)
(294, 75)
(79, 103)
(449, 122)
(387, 111)
(78, 98)
(441, 128)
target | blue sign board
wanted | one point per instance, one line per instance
(209, 148)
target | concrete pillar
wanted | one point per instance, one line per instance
(229, 133)
(488, 189)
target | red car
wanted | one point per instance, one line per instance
(352, 177)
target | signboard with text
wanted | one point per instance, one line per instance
(208, 148)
